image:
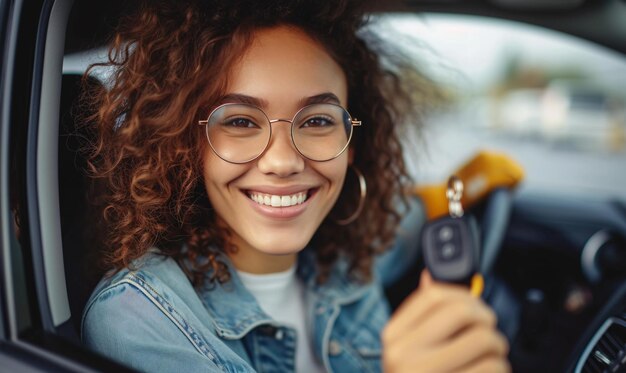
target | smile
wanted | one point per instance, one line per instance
(273, 200)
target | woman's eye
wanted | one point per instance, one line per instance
(318, 122)
(240, 123)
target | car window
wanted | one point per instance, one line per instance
(554, 103)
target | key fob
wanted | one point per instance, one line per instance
(450, 249)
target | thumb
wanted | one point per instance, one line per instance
(426, 279)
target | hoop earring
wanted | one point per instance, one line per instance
(363, 193)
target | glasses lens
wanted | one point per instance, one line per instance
(238, 133)
(321, 132)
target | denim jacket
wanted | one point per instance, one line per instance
(153, 319)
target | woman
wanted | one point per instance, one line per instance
(239, 233)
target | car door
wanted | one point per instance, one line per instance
(36, 329)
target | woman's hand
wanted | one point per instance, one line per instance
(443, 328)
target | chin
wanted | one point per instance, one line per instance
(284, 248)
(282, 245)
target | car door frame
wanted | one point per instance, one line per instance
(33, 297)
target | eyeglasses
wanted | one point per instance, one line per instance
(240, 133)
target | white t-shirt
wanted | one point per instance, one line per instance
(281, 296)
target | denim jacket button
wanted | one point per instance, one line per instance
(334, 348)
(279, 334)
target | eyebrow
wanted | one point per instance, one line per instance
(323, 98)
(238, 98)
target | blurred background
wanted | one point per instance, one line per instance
(554, 103)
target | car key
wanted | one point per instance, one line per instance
(450, 244)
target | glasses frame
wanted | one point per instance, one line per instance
(354, 123)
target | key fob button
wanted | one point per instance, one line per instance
(449, 250)
(445, 233)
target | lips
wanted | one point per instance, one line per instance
(275, 200)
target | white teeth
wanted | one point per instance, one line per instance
(278, 201)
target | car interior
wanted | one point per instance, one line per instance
(554, 264)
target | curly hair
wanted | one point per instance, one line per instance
(170, 61)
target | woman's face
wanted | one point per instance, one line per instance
(282, 71)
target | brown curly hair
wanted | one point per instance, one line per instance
(170, 61)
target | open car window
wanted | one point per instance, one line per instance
(553, 102)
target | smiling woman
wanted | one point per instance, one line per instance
(236, 237)
(303, 71)
(160, 199)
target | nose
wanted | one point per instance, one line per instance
(281, 157)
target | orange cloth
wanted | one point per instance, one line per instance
(483, 173)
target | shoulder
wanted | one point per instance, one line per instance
(155, 280)
(151, 318)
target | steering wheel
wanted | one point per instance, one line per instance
(492, 225)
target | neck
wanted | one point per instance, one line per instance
(249, 260)
(259, 263)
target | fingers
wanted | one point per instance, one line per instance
(489, 365)
(478, 349)
(421, 303)
(468, 348)
(458, 354)
(425, 279)
(443, 328)
(449, 319)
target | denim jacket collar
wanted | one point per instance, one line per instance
(236, 311)
(340, 287)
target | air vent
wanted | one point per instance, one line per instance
(606, 352)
